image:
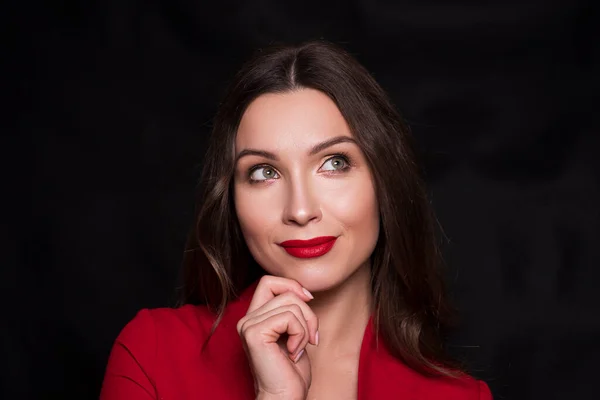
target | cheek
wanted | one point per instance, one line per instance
(252, 209)
(355, 205)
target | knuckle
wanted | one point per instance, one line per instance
(243, 326)
(265, 282)
(293, 319)
(239, 325)
(250, 333)
(296, 308)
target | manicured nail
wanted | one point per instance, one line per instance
(307, 293)
(317, 338)
(299, 355)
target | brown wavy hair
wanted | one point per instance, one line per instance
(411, 308)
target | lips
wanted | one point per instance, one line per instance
(311, 248)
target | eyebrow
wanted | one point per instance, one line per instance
(319, 147)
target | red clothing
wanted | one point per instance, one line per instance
(158, 356)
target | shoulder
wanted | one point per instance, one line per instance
(185, 327)
(182, 320)
(386, 375)
(176, 327)
(465, 387)
(460, 388)
(156, 351)
(484, 391)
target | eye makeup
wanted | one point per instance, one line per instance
(348, 164)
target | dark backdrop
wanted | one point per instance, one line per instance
(110, 104)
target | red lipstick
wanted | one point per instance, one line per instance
(311, 248)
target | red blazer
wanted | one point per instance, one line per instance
(158, 356)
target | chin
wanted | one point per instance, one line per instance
(318, 280)
(319, 285)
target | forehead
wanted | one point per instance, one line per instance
(293, 118)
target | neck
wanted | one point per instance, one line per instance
(343, 313)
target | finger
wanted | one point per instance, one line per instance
(269, 331)
(288, 298)
(271, 286)
(293, 308)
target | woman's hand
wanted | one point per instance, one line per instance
(275, 330)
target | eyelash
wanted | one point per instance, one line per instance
(344, 156)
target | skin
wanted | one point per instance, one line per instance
(295, 192)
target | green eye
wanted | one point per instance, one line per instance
(263, 174)
(336, 163)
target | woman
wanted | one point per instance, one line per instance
(310, 184)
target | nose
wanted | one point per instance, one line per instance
(302, 206)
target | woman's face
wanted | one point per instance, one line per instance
(299, 175)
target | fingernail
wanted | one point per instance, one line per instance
(307, 293)
(299, 355)
(317, 338)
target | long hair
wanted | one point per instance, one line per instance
(411, 308)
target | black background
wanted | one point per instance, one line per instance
(108, 106)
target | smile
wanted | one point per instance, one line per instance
(311, 248)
